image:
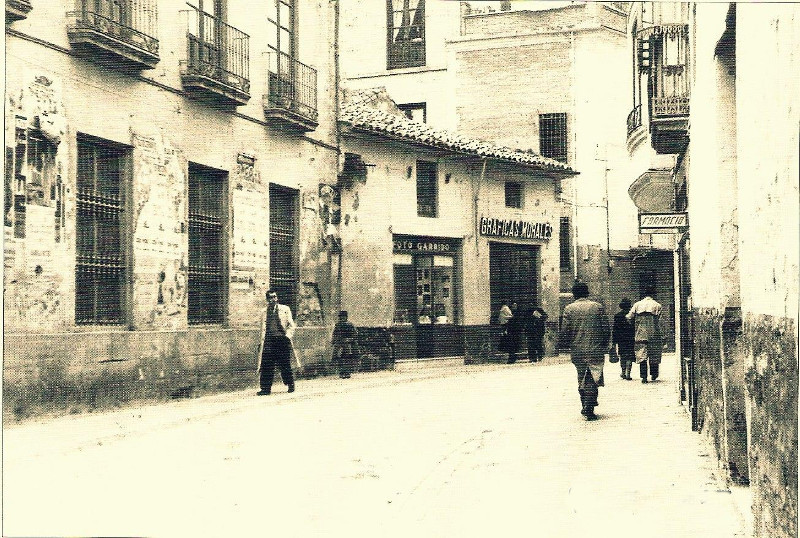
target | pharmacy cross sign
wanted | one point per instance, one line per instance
(664, 223)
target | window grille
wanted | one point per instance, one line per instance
(206, 279)
(405, 41)
(426, 189)
(564, 241)
(101, 265)
(513, 194)
(553, 136)
(283, 222)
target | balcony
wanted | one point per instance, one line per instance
(17, 9)
(291, 99)
(669, 86)
(115, 32)
(217, 63)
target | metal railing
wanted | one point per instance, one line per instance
(292, 86)
(670, 106)
(217, 50)
(131, 21)
(634, 119)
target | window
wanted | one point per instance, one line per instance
(426, 189)
(423, 289)
(564, 241)
(405, 41)
(553, 136)
(283, 223)
(513, 194)
(280, 33)
(205, 35)
(414, 111)
(207, 275)
(101, 265)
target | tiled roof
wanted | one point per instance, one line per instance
(373, 111)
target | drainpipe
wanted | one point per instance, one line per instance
(476, 192)
(337, 299)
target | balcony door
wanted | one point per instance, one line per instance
(206, 46)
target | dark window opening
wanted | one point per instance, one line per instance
(513, 194)
(283, 224)
(101, 265)
(207, 276)
(415, 111)
(553, 136)
(405, 43)
(564, 241)
(426, 189)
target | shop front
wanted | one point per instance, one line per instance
(427, 312)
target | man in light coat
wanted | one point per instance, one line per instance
(277, 330)
(585, 329)
(646, 316)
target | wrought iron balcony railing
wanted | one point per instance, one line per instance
(291, 92)
(17, 9)
(634, 119)
(217, 58)
(119, 30)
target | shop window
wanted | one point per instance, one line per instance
(553, 136)
(415, 111)
(283, 264)
(564, 242)
(424, 287)
(513, 194)
(405, 40)
(207, 275)
(427, 189)
(101, 266)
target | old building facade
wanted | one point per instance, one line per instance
(705, 97)
(437, 229)
(542, 76)
(163, 168)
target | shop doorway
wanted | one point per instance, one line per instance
(513, 275)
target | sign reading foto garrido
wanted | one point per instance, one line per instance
(515, 229)
(662, 222)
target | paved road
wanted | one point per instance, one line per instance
(448, 450)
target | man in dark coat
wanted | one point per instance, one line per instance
(344, 345)
(622, 339)
(534, 329)
(585, 330)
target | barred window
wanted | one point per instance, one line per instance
(426, 189)
(207, 276)
(405, 40)
(283, 223)
(513, 194)
(101, 265)
(564, 241)
(553, 136)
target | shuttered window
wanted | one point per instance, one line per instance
(553, 136)
(101, 266)
(564, 242)
(206, 279)
(426, 189)
(283, 223)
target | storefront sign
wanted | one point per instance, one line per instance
(423, 245)
(516, 229)
(662, 222)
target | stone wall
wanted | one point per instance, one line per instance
(708, 365)
(772, 380)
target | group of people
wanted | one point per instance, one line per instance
(513, 323)
(636, 338)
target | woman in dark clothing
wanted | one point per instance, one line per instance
(623, 339)
(534, 329)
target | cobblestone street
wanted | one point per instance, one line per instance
(426, 450)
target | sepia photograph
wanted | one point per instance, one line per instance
(400, 268)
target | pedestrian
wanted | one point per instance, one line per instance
(503, 317)
(277, 330)
(344, 341)
(646, 316)
(622, 339)
(585, 330)
(514, 333)
(534, 329)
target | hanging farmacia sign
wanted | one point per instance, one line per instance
(515, 229)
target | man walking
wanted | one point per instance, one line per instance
(646, 315)
(585, 330)
(277, 329)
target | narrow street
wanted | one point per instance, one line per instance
(433, 450)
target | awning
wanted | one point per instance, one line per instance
(653, 191)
